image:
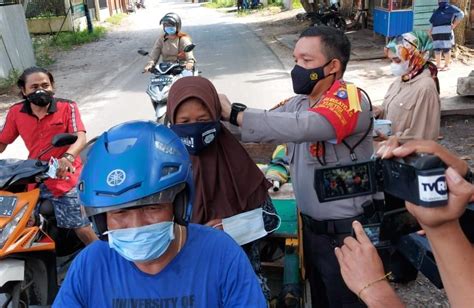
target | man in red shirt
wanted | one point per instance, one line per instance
(36, 120)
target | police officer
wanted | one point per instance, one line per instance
(327, 123)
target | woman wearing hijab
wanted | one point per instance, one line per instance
(443, 21)
(412, 101)
(231, 193)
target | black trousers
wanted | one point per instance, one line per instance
(322, 270)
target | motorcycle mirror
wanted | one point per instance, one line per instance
(64, 139)
(142, 52)
(58, 141)
(189, 47)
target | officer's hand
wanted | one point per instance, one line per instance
(460, 191)
(226, 107)
(189, 66)
(148, 67)
(359, 261)
(65, 166)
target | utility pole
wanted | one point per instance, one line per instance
(90, 28)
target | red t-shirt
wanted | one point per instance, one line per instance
(63, 117)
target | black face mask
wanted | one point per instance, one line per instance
(304, 79)
(197, 136)
(40, 98)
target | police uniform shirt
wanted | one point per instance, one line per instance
(294, 124)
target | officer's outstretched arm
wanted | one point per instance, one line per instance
(297, 127)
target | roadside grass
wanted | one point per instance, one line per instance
(116, 19)
(7, 84)
(66, 40)
(273, 7)
(43, 50)
(218, 4)
(297, 4)
(44, 46)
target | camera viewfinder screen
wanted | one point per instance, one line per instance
(346, 181)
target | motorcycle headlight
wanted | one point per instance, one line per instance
(154, 93)
(10, 227)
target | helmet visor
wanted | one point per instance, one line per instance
(164, 196)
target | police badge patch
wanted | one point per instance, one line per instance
(342, 93)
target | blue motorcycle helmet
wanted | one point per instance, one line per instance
(136, 164)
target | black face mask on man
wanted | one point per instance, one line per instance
(40, 98)
(304, 79)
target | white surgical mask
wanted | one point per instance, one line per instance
(248, 226)
(399, 69)
(170, 30)
(140, 244)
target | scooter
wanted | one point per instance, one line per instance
(163, 76)
(140, 4)
(30, 242)
(328, 16)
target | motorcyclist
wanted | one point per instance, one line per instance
(171, 43)
(36, 120)
(137, 184)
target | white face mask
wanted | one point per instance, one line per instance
(248, 226)
(399, 69)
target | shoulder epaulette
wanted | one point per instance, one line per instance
(282, 103)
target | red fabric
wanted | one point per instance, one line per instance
(334, 106)
(315, 150)
(63, 117)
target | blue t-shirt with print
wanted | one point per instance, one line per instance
(211, 270)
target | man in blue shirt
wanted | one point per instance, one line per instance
(137, 188)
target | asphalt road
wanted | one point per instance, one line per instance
(112, 90)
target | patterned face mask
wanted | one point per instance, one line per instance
(412, 48)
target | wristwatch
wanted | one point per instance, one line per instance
(69, 157)
(236, 108)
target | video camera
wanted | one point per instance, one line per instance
(418, 179)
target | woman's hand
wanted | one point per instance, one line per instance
(380, 136)
(377, 111)
(148, 67)
(189, 66)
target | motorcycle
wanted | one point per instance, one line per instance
(164, 74)
(328, 16)
(140, 4)
(32, 248)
